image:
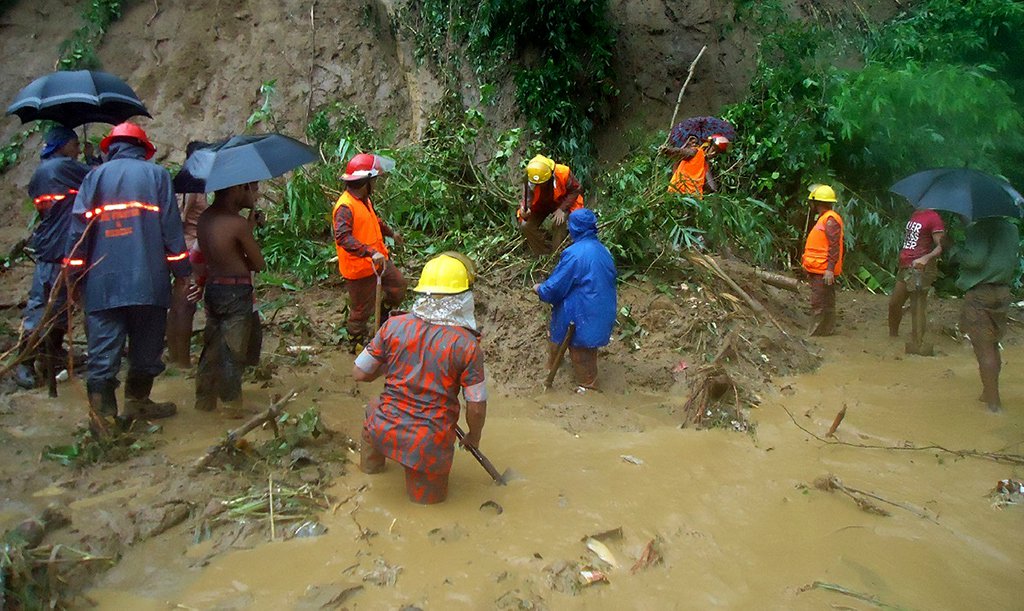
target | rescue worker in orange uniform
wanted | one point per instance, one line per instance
(823, 259)
(550, 190)
(693, 172)
(359, 239)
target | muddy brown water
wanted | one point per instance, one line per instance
(739, 523)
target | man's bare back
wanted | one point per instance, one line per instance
(227, 243)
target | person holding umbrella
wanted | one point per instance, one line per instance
(426, 357)
(919, 263)
(52, 188)
(363, 258)
(551, 189)
(988, 263)
(988, 258)
(125, 241)
(823, 259)
(693, 172)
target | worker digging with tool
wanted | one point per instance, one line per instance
(363, 258)
(426, 358)
(550, 189)
(582, 290)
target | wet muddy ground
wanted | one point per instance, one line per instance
(734, 516)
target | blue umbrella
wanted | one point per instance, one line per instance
(74, 98)
(971, 193)
(241, 160)
(700, 128)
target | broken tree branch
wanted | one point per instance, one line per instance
(836, 422)
(999, 457)
(232, 437)
(778, 280)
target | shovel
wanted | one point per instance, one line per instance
(499, 478)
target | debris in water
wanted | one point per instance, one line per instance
(590, 576)
(1007, 492)
(309, 528)
(330, 596)
(836, 422)
(498, 509)
(300, 457)
(602, 552)
(382, 574)
(650, 556)
(631, 459)
(606, 535)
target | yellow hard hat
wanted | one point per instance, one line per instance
(445, 275)
(822, 193)
(539, 170)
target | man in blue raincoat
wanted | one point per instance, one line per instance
(125, 240)
(582, 290)
(52, 188)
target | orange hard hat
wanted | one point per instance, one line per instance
(367, 165)
(128, 130)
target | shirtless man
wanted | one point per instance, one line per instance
(231, 255)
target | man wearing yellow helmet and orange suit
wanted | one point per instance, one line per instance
(426, 358)
(693, 172)
(359, 240)
(550, 189)
(823, 259)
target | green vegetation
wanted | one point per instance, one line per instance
(78, 52)
(558, 54)
(934, 86)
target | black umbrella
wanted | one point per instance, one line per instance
(240, 160)
(76, 98)
(965, 191)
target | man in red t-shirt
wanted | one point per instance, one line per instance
(919, 261)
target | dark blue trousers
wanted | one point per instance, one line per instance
(142, 326)
(46, 275)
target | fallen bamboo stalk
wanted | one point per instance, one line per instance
(682, 90)
(831, 482)
(269, 416)
(778, 280)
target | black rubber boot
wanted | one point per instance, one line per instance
(138, 405)
(102, 408)
(25, 374)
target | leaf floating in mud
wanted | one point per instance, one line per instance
(605, 535)
(498, 509)
(309, 528)
(602, 552)
(631, 459)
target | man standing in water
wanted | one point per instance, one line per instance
(919, 264)
(53, 188)
(582, 290)
(426, 356)
(131, 241)
(988, 263)
(231, 254)
(823, 259)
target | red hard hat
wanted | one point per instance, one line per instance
(720, 142)
(366, 165)
(128, 130)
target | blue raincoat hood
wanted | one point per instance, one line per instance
(582, 224)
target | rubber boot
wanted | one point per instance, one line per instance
(102, 409)
(138, 405)
(25, 374)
